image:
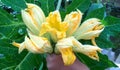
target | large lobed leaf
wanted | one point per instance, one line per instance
(10, 57)
(97, 13)
(103, 40)
(10, 31)
(112, 29)
(94, 6)
(5, 18)
(110, 20)
(82, 5)
(30, 1)
(17, 5)
(102, 64)
(32, 62)
(46, 5)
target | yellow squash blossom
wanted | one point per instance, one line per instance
(33, 17)
(65, 34)
(54, 26)
(35, 44)
(71, 45)
(89, 29)
(74, 19)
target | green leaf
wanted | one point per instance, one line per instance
(46, 5)
(41, 66)
(113, 30)
(10, 29)
(109, 20)
(103, 40)
(9, 68)
(94, 6)
(97, 13)
(13, 31)
(30, 1)
(17, 5)
(102, 64)
(82, 5)
(10, 54)
(33, 62)
(5, 18)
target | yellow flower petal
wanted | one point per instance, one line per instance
(44, 29)
(27, 44)
(74, 19)
(35, 44)
(36, 13)
(67, 55)
(89, 35)
(57, 35)
(29, 22)
(54, 26)
(64, 46)
(88, 50)
(54, 20)
(31, 47)
(91, 51)
(21, 46)
(63, 43)
(41, 43)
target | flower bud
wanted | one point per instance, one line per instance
(33, 17)
(41, 43)
(89, 50)
(89, 29)
(74, 19)
(35, 44)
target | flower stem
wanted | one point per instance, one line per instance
(93, 41)
(58, 4)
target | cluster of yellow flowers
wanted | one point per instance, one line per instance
(42, 31)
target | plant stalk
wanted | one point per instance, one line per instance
(58, 4)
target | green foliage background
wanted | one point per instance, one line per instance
(13, 29)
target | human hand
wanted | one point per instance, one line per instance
(55, 62)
